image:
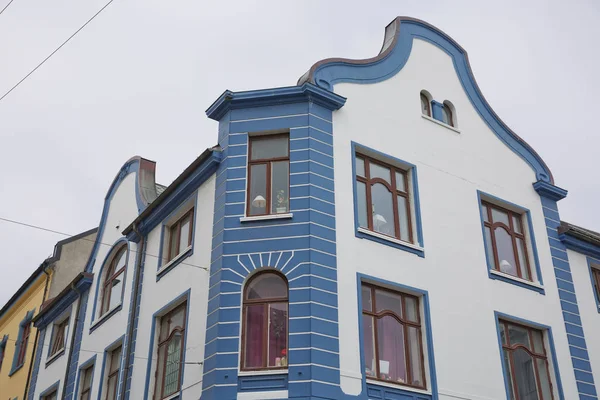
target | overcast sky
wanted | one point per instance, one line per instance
(137, 80)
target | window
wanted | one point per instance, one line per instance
(425, 105)
(112, 380)
(3, 349)
(86, 383)
(59, 337)
(170, 352)
(383, 198)
(112, 288)
(21, 345)
(525, 362)
(268, 175)
(265, 322)
(596, 280)
(392, 338)
(448, 116)
(505, 241)
(51, 396)
(180, 235)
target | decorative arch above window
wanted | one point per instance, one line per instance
(265, 322)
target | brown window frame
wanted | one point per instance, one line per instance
(60, 331)
(110, 276)
(86, 390)
(424, 97)
(268, 162)
(510, 348)
(596, 280)
(513, 235)
(175, 233)
(265, 303)
(405, 325)
(393, 188)
(3, 348)
(165, 342)
(114, 372)
(23, 343)
(50, 396)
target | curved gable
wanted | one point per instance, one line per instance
(396, 49)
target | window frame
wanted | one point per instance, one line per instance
(110, 373)
(56, 330)
(23, 343)
(595, 278)
(3, 349)
(110, 276)
(177, 226)
(265, 303)
(449, 114)
(423, 96)
(82, 375)
(51, 395)
(268, 162)
(159, 344)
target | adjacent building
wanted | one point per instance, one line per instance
(374, 232)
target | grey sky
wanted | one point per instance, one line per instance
(138, 79)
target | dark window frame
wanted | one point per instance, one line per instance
(268, 162)
(110, 276)
(393, 188)
(86, 390)
(50, 396)
(112, 372)
(513, 235)
(596, 280)
(265, 303)
(2, 351)
(165, 343)
(428, 102)
(59, 332)
(175, 233)
(23, 343)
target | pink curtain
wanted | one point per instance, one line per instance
(255, 319)
(391, 350)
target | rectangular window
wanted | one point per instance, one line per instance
(170, 352)
(180, 234)
(59, 333)
(392, 337)
(383, 198)
(22, 345)
(112, 379)
(86, 383)
(525, 362)
(505, 241)
(268, 175)
(51, 396)
(596, 280)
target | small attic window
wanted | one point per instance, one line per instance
(448, 114)
(425, 103)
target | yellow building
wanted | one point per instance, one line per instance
(18, 336)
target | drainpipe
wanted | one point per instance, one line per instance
(37, 331)
(75, 325)
(134, 303)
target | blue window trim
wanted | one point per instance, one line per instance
(531, 238)
(22, 324)
(50, 389)
(3, 349)
(185, 296)
(96, 321)
(415, 199)
(548, 330)
(51, 358)
(91, 362)
(164, 229)
(432, 383)
(107, 350)
(595, 261)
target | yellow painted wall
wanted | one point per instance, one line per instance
(14, 386)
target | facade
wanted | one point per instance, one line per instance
(347, 238)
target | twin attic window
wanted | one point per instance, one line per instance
(448, 115)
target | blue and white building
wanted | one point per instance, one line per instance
(373, 232)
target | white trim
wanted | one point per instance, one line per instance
(55, 355)
(174, 395)
(398, 386)
(516, 278)
(272, 394)
(263, 372)
(266, 217)
(390, 239)
(427, 117)
(105, 315)
(174, 260)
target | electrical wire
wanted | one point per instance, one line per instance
(6, 6)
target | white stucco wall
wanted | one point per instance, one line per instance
(451, 168)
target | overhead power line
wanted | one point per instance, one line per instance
(6, 6)
(56, 50)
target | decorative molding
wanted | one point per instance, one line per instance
(63, 300)
(550, 191)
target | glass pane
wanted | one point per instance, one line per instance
(258, 189)
(173, 238)
(388, 301)
(164, 328)
(280, 187)
(277, 350)
(177, 319)
(122, 259)
(525, 375)
(274, 147)
(115, 360)
(415, 357)
(544, 379)
(503, 333)
(518, 335)
(360, 166)
(116, 290)
(500, 216)
(489, 248)
(383, 209)
(267, 286)
(484, 213)
(172, 367)
(506, 254)
(392, 357)
(517, 224)
(412, 312)
(184, 235)
(424, 105)
(538, 342)
(400, 182)
(366, 299)
(522, 259)
(508, 371)
(403, 217)
(106, 299)
(361, 199)
(378, 171)
(111, 388)
(369, 345)
(254, 339)
(87, 378)
(85, 396)
(160, 371)
(446, 116)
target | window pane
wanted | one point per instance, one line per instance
(383, 210)
(160, 370)
(500, 216)
(173, 246)
(269, 147)
(111, 388)
(184, 235)
(280, 187)
(87, 378)
(524, 375)
(517, 224)
(424, 105)
(403, 217)
(378, 171)
(489, 247)
(506, 254)
(388, 301)
(509, 373)
(484, 213)
(446, 115)
(518, 335)
(392, 358)
(360, 166)
(177, 319)
(116, 290)
(266, 286)
(366, 299)
(277, 350)
(254, 339)
(415, 357)
(522, 259)
(258, 189)
(361, 199)
(544, 379)
(172, 367)
(115, 360)
(369, 345)
(400, 182)
(538, 342)
(121, 260)
(412, 313)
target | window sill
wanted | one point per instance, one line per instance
(54, 357)
(168, 266)
(516, 280)
(15, 370)
(367, 234)
(397, 386)
(264, 372)
(266, 217)
(106, 316)
(173, 396)
(427, 117)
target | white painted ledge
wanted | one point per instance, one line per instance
(178, 257)
(390, 239)
(516, 279)
(263, 372)
(266, 217)
(273, 394)
(428, 118)
(397, 386)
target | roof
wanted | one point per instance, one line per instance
(48, 304)
(159, 188)
(578, 232)
(58, 246)
(30, 281)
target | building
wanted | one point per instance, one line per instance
(374, 232)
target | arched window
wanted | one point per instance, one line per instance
(112, 287)
(448, 116)
(265, 322)
(425, 104)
